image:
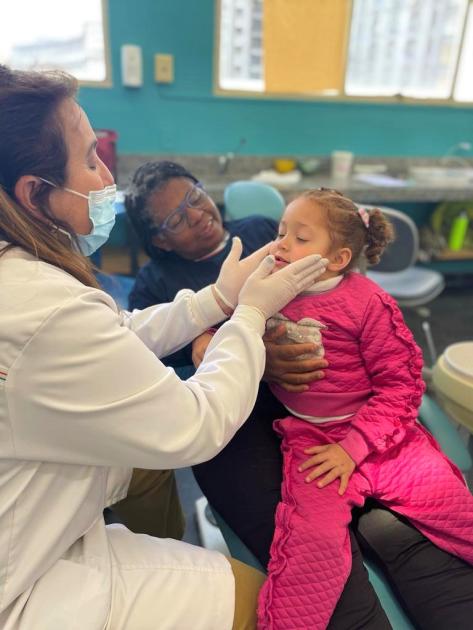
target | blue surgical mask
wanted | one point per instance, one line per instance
(101, 213)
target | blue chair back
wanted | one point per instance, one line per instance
(244, 198)
(397, 273)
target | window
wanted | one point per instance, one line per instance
(406, 47)
(61, 35)
(464, 84)
(241, 54)
(414, 49)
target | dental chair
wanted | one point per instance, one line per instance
(452, 377)
(396, 272)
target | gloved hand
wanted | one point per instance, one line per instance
(269, 293)
(234, 272)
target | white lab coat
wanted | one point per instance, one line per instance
(83, 400)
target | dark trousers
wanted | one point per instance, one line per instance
(243, 484)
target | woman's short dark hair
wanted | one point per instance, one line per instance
(149, 178)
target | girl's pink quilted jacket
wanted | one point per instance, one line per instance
(374, 367)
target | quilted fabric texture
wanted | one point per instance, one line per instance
(310, 553)
(374, 373)
(374, 365)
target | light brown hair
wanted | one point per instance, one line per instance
(347, 229)
(32, 143)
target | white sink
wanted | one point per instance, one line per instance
(442, 175)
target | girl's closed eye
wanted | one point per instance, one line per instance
(302, 240)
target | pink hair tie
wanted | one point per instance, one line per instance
(365, 216)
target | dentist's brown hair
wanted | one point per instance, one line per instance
(32, 143)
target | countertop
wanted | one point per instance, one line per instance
(361, 191)
(206, 168)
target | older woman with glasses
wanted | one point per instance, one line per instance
(182, 231)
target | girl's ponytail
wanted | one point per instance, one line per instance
(379, 233)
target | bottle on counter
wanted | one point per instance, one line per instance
(458, 231)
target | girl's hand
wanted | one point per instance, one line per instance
(331, 459)
(199, 346)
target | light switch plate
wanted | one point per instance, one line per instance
(164, 68)
(132, 65)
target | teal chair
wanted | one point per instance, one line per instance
(244, 198)
(435, 420)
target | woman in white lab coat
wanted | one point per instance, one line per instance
(84, 398)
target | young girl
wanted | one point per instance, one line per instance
(358, 425)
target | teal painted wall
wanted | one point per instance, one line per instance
(186, 117)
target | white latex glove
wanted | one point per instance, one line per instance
(269, 293)
(234, 272)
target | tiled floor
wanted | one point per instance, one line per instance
(451, 320)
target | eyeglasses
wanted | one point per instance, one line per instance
(177, 220)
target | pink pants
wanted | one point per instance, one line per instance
(310, 554)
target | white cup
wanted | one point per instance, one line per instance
(342, 162)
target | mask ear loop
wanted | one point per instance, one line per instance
(55, 227)
(74, 192)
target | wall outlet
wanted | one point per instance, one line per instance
(132, 65)
(164, 68)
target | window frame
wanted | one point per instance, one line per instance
(107, 82)
(342, 97)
